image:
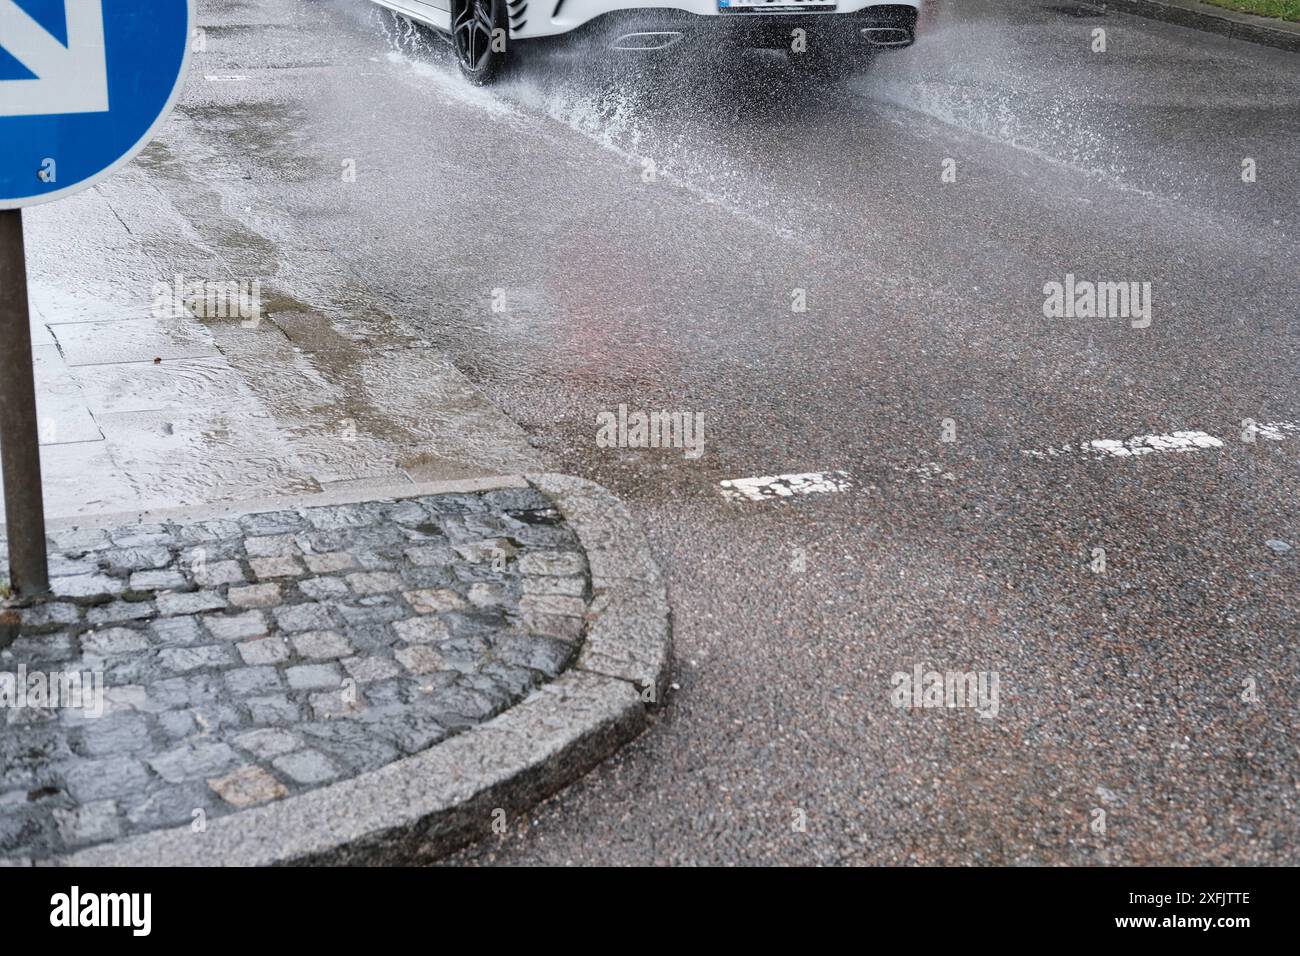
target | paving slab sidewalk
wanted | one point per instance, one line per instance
(147, 396)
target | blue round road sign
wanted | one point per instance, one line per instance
(84, 84)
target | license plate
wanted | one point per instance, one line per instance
(776, 6)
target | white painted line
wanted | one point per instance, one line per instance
(1146, 444)
(1132, 447)
(1277, 431)
(768, 487)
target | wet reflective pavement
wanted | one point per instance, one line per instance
(592, 234)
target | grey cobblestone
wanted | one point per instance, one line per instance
(217, 573)
(374, 610)
(236, 627)
(459, 707)
(194, 758)
(408, 513)
(374, 560)
(79, 539)
(331, 563)
(272, 523)
(175, 692)
(116, 612)
(499, 551)
(304, 617)
(175, 631)
(321, 645)
(216, 530)
(430, 556)
(195, 602)
(182, 659)
(113, 640)
(51, 647)
(344, 516)
(100, 779)
(518, 499)
(324, 589)
(420, 659)
(272, 546)
(200, 555)
(169, 806)
(314, 676)
(87, 586)
(453, 504)
(66, 565)
(88, 823)
(142, 536)
(306, 766)
(283, 566)
(409, 729)
(433, 600)
(178, 723)
(328, 704)
(268, 743)
(255, 595)
(131, 697)
(247, 787)
(245, 681)
(247, 659)
(364, 670)
(161, 580)
(39, 619)
(135, 559)
(273, 709)
(110, 736)
(374, 582)
(353, 743)
(265, 650)
(421, 630)
(562, 563)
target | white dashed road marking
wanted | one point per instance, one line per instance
(1277, 431)
(1146, 444)
(767, 487)
(1132, 447)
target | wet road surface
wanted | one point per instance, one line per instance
(644, 240)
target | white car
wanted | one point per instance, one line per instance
(481, 31)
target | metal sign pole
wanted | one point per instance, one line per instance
(20, 453)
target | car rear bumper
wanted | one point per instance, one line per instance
(648, 28)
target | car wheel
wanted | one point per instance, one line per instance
(480, 37)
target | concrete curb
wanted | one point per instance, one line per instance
(629, 630)
(341, 496)
(1202, 16)
(423, 807)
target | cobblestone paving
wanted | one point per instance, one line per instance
(250, 658)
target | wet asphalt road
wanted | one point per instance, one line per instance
(1120, 691)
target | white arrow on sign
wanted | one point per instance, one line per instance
(69, 79)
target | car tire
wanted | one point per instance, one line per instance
(481, 51)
